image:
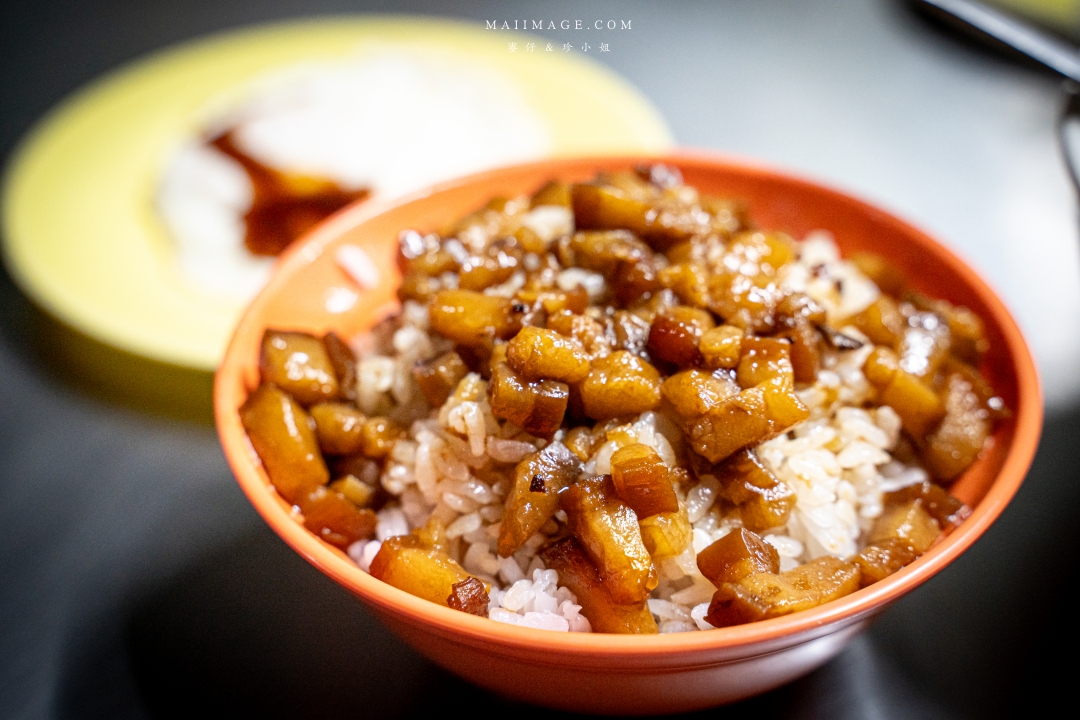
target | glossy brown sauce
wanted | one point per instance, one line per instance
(285, 206)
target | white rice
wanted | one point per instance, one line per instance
(838, 463)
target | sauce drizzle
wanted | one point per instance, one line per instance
(285, 206)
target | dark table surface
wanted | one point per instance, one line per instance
(136, 580)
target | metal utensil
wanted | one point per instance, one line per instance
(1041, 46)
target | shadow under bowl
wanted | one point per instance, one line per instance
(615, 674)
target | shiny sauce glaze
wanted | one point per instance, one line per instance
(285, 205)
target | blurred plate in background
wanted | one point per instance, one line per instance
(81, 233)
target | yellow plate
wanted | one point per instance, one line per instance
(81, 235)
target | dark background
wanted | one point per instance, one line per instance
(136, 580)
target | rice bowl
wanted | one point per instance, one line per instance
(686, 688)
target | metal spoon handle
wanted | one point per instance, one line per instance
(1036, 44)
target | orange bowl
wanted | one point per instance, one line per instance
(616, 674)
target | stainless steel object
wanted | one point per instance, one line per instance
(1038, 45)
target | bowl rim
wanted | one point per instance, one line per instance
(511, 640)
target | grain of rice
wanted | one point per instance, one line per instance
(544, 621)
(396, 478)
(391, 522)
(676, 626)
(666, 610)
(509, 571)
(362, 553)
(478, 535)
(508, 451)
(701, 497)
(701, 591)
(861, 453)
(464, 524)
(404, 452)
(458, 503)
(476, 428)
(698, 613)
(785, 546)
(908, 477)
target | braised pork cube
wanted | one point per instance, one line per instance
(608, 530)
(748, 302)
(582, 442)
(588, 332)
(282, 435)
(881, 271)
(638, 279)
(344, 363)
(763, 359)
(578, 573)
(936, 500)
(355, 490)
(879, 560)
(418, 287)
(676, 333)
(469, 596)
(798, 308)
(899, 536)
(499, 217)
(805, 351)
(534, 496)
(602, 251)
(958, 441)
(767, 251)
(472, 318)
(919, 408)
(552, 301)
(764, 501)
(666, 534)
(969, 341)
(339, 427)
(721, 347)
(409, 563)
(335, 519)
(378, 435)
(437, 378)
(692, 393)
(631, 333)
(689, 280)
(553, 193)
(298, 364)
(538, 407)
(924, 345)
(660, 175)
(620, 201)
(736, 555)
(599, 207)
(358, 465)
(746, 419)
(767, 595)
(429, 257)
(493, 266)
(908, 522)
(541, 354)
(620, 384)
(881, 322)
(965, 327)
(736, 423)
(641, 481)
